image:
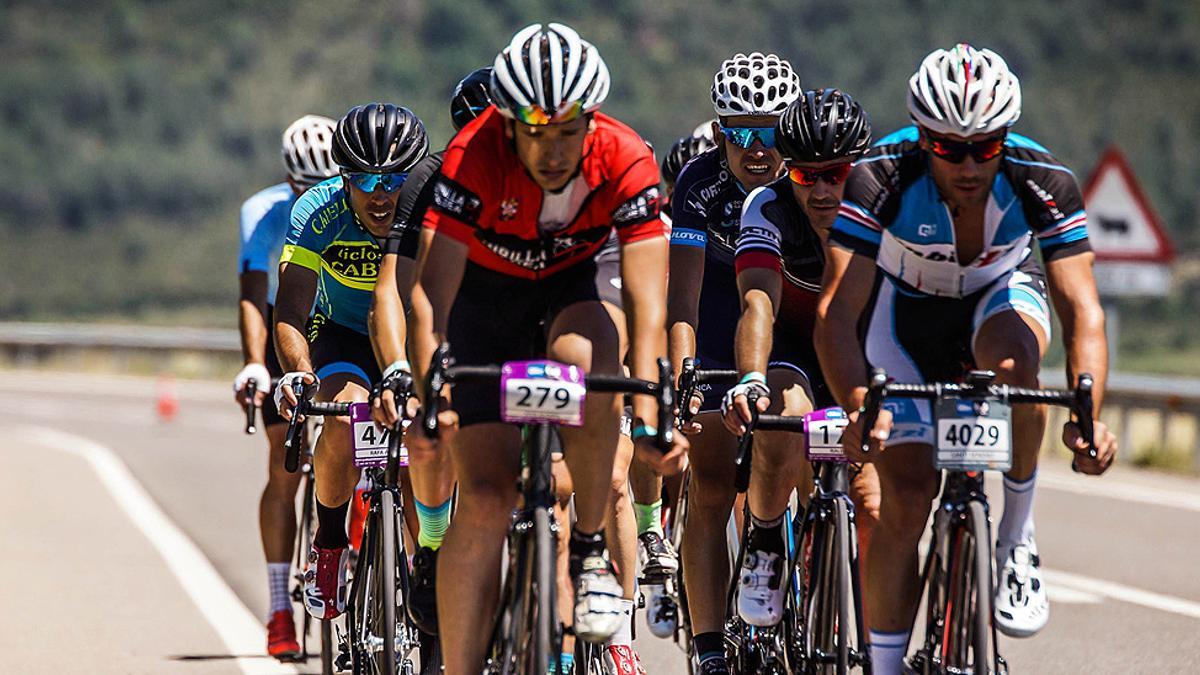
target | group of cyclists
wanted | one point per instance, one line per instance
(777, 240)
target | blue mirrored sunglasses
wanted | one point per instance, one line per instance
(390, 182)
(744, 137)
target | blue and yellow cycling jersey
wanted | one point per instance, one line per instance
(893, 212)
(327, 238)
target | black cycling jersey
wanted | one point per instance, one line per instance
(415, 196)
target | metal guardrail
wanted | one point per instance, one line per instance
(17, 335)
(1125, 392)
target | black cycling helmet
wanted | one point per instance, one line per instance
(683, 150)
(821, 125)
(379, 138)
(470, 97)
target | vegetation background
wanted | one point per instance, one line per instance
(131, 131)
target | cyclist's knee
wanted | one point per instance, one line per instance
(710, 492)
(904, 508)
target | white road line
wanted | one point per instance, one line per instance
(242, 633)
(1129, 594)
(1127, 492)
(1070, 596)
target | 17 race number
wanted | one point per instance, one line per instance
(823, 430)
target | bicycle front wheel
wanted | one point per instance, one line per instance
(982, 634)
(386, 582)
(843, 579)
(544, 641)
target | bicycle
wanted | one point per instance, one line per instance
(304, 536)
(824, 599)
(527, 636)
(379, 638)
(973, 426)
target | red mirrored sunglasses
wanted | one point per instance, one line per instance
(956, 151)
(834, 175)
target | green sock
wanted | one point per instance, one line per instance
(649, 517)
(433, 521)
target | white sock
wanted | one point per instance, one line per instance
(278, 575)
(887, 652)
(1016, 525)
(624, 634)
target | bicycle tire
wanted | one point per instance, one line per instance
(845, 594)
(386, 581)
(982, 621)
(546, 578)
(817, 628)
(326, 647)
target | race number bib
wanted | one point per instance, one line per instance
(536, 392)
(973, 435)
(823, 431)
(370, 439)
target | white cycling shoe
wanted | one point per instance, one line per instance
(662, 616)
(1021, 605)
(598, 597)
(760, 589)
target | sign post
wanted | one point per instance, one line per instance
(1133, 254)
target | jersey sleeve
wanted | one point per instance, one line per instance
(1052, 201)
(259, 234)
(689, 218)
(308, 235)
(638, 211)
(414, 199)
(759, 242)
(460, 186)
(859, 223)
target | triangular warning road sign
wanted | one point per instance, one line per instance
(1121, 224)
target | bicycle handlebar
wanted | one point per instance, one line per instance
(690, 379)
(306, 408)
(442, 372)
(979, 385)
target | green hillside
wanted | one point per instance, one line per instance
(132, 131)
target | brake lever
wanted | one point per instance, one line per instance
(876, 391)
(291, 458)
(248, 404)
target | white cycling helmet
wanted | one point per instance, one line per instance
(757, 84)
(548, 75)
(964, 91)
(705, 131)
(308, 150)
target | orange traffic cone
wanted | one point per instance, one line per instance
(168, 401)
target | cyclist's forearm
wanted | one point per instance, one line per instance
(681, 344)
(292, 347)
(252, 322)
(252, 325)
(1087, 348)
(645, 313)
(752, 345)
(386, 317)
(422, 337)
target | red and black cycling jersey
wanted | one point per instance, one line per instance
(484, 197)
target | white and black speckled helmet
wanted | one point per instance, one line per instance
(758, 84)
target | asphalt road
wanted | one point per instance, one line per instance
(131, 545)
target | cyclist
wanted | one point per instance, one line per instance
(749, 93)
(780, 259)
(332, 253)
(528, 194)
(264, 224)
(433, 483)
(948, 211)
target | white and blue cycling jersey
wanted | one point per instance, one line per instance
(892, 211)
(265, 220)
